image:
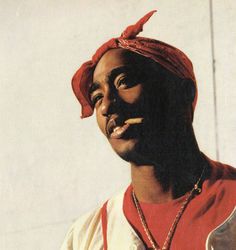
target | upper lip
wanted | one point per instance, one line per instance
(113, 122)
(116, 121)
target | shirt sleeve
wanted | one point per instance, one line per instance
(224, 236)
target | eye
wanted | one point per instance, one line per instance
(96, 98)
(124, 82)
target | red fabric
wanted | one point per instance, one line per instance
(104, 224)
(168, 56)
(203, 214)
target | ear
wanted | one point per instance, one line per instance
(188, 90)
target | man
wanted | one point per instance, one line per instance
(144, 93)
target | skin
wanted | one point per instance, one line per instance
(126, 85)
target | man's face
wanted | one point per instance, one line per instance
(129, 111)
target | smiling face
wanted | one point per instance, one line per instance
(116, 94)
(131, 107)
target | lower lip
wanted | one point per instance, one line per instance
(119, 132)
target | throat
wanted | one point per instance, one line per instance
(161, 184)
(147, 187)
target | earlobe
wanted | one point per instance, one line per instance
(189, 90)
(192, 91)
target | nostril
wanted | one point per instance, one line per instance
(104, 110)
(108, 106)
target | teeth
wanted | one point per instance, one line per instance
(116, 128)
(134, 120)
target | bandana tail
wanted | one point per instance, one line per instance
(133, 30)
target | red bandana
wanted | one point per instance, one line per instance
(166, 55)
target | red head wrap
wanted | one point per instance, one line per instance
(166, 55)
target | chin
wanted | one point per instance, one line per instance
(131, 151)
(124, 148)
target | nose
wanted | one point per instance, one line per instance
(108, 104)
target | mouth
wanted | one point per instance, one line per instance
(116, 129)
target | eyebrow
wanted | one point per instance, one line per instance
(110, 77)
(117, 71)
(94, 86)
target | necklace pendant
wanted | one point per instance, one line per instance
(197, 189)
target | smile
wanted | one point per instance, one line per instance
(116, 130)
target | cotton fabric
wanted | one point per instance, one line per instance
(209, 221)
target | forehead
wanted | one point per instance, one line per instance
(112, 59)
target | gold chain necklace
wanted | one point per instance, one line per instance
(166, 245)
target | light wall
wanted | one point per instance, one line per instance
(55, 166)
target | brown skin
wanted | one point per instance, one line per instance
(111, 60)
(139, 88)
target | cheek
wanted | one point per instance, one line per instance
(132, 95)
(101, 122)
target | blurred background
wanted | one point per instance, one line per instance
(55, 166)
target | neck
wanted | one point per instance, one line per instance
(146, 186)
(167, 178)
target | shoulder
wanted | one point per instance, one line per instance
(80, 232)
(86, 231)
(222, 184)
(223, 172)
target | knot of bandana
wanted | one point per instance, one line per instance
(166, 55)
